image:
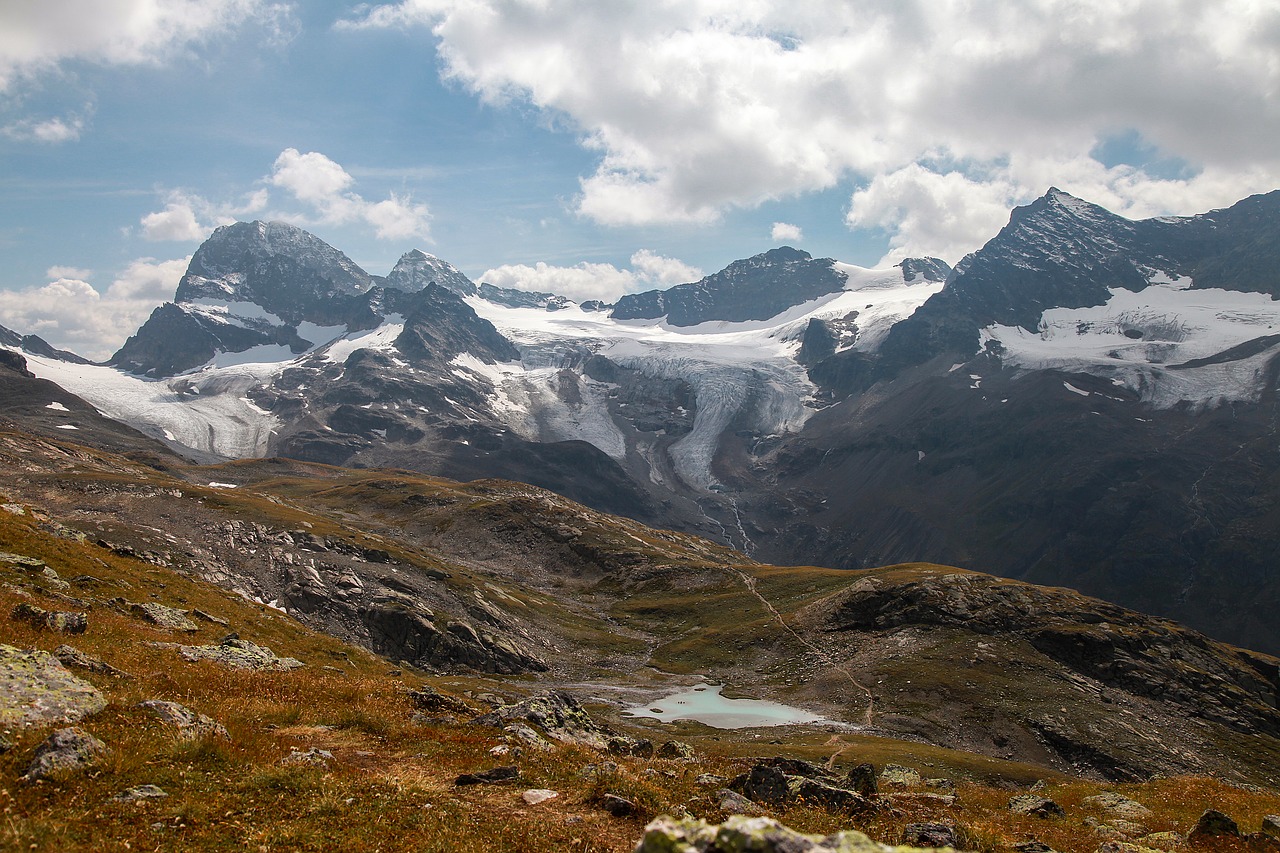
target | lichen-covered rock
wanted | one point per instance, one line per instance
(1211, 824)
(168, 618)
(190, 725)
(51, 620)
(1034, 804)
(740, 834)
(677, 750)
(624, 745)
(240, 654)
(903, 777)
(313, 757)
(1118, 805)
(554, 712)
(862, 779)
(72, 657)
(65, 749)
(21, 561)
(785, 781)
(36, 688)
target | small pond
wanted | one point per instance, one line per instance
(704, 704)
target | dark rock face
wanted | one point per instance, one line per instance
(11, 360)
(754, 289)
(402, 633)
(513, 298)
(785, 781)
(280, 267)
(439, 326)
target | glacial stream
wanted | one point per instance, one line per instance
(704, 704)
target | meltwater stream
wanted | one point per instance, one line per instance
(704, 704)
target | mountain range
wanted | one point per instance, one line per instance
(1086, 401)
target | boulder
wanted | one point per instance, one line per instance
(899, 776)
(72, 657)
(556, 713)
(1212, 824)
(190, 725)
(168, 618)
(731, 802)
(240, 654)
(933, 835)
(618, 806)
(51, 620)
(538, 795)
(432, 701)
(1118, 805)
(624, 745)
(1034, 804)
(862, 779)
(64, 750)
(785, 781)
(35, 688)
(677, 750)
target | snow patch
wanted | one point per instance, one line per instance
(57, 407)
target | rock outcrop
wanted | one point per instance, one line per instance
(35, 688)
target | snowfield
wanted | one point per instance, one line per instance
(1143, 341)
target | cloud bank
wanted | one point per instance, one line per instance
(322, 186)
(951, 110)
(595, 281)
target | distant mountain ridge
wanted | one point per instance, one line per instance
(1086, 400)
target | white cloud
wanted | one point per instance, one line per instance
(70, 313)
(321, 185)
(50, 131)
(786, 232)
(696, 107)
(36, 35)
(594, 281)
(56, 272)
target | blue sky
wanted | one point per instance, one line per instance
(595, 147)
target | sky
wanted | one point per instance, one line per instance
(596, 147)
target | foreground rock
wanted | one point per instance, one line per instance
(65, 749)
(36, 688)
(189, 724)
(740, 834)
(167, 618)
(786, 781)
(1212, 824)
(72, 657)
(240, 654)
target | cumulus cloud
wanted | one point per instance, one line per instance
(786, 232)
(50, 131)
(321, 185)
(35, 35)
(72, 314)
(696, 107)
(595, 281)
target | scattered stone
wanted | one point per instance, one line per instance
(1164, 840)
(554, 712)
(73, 657)
(65, 749)
(1034, 804)
(710, 779)
(863, 780)
(940, 784)
(1211, 824)
(36, 688)
(500, 750)
(139, 792)
(618, 806)
(624, 745)
(489, 777)
(314, 757)
(209, 617)
(19, 561)
(190, 725)
(432, 701)
(933, 835)
(677, 750)
(168, 618)
(240, 654)
(899, 776)
(1127, 827)
(731, 802)
(1271, 825)
(53, 620)
(740, 833)
(538, 795)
